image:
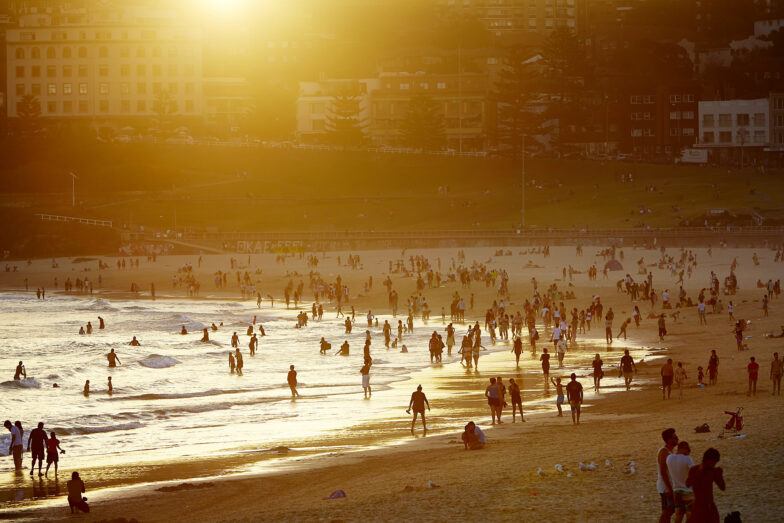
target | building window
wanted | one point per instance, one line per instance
(36, 89)
(172, 70)
(759, 136)
(634, 100)
(317, 125)
(156, 70)
(35, 53)
(51, 53)
(141, 88)
(36, 71)
(725, 137)
(68, 106)
(156, 87)
(403, 87)
(125, 70)
(125, 106)
(779, 120)
(103, 88)
(141, 106)
(141, 70)
(20, 89)
(725, 120)
(441, 85)
(51, 107)
(189, 88)
(742, 119)
(646, 116)
(759, 120)
(688, 131)
(51, 89)
(675, 98)
(687, 115)
(156, 52)
(83, 106)
(67, 89)
(674, 131)
(103, 70)
(20, 71)
(51, 71)
(172, 89)
(125, 88)
(103, 106)
(67, 71)
(82, 88)
(82, 52)
(20, 53)
(189, 106)
(66, 52)
(688, 97)
(636, 132)
(125, 52)
(103, 52)
(82, 71)
(141, 52)
(649, 132)
(675, 115)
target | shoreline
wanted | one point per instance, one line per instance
(623, 426)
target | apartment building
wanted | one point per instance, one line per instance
(735, 131)
(777, 121)
(314, 105)
(515, 18)
(105, 64)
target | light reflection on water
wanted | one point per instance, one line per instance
(195, 410)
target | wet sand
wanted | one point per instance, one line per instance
(500, 481)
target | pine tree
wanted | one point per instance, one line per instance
(344, 124)
(514, 96)
(28, 110)
(423, 126)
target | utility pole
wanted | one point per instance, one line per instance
(522, 193)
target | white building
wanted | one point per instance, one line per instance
(734, 123)
(112, 64)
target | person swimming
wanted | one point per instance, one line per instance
(214, 327)
(101, 323)
(113, 359)
(89, 328)
(206, 337)
(20, 373)
(81, 331)
(134, 342)
(183, 331)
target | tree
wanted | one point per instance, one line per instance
(514, 96)
(28, 110)
(423, 126)
(344, 124)
(165, 107)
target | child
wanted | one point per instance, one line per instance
(52, 444)
(559, 390)
(700, 376)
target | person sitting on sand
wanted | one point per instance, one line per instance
(134, 342)
(779, 335)
(473, 437)
(75, 490)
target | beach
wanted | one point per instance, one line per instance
(371, 455)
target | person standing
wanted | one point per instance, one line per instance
(516, 397)
(545, 359)
(20, 373)
(667, 374)
(15, 445)
(113, 359)
(365, 372)
(52, 445)
(663, 483)
(517, 348)
(713, 367)
(701, 479)
(36, 443)
(753, 370)
(680, 378)
(678, 466)
(238, 359)
(232, 363)
(776, 370)
(493, 395)
(292, 381)
(235, 340)
(628, 368)
(598, 373)
(662, 327)
(574, 395)
(417, 404)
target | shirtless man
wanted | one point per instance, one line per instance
(776, 370)
(701, 479)
(292, 381)
(667, 374)
(235, 340)
(574, 395)
(417, 404)
(135, 343)
(113, 359)
(21, 373)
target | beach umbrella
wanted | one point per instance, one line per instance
(613, 265)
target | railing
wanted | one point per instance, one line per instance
(73, 219)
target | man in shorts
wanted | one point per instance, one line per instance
(776, 370)
(663, 483)
(667, 373)
(574, 394)
(678, 466)
(753, 369)
(417, 404)
(628, 368)
(365, 372)
(36, 443)
(493, 395)
(517, 399)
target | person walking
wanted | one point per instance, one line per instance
(776, 370)
(36, 443)
(291, 378)
(417, 404)
(574, 395)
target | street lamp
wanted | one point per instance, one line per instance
(73, 188)
(522, 194)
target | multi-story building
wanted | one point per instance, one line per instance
(734, 131)
(658, 121)
(462, 101)
(106, 65)
(519, 18)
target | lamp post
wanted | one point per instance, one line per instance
(73, 189)
(522, 185)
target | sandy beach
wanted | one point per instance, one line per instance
(500, 482)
